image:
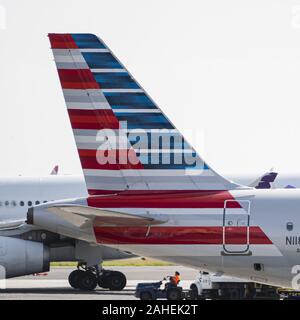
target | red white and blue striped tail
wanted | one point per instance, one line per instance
(54, 170)
(124, 140)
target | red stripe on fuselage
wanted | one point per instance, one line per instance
(180, 235)
(164, 199)
(93, 119)
(77, 79)
(62, 41)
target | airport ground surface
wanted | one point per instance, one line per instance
(54, 285)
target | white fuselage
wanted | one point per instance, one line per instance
(274, 211)
(259, 242)
(17, 194)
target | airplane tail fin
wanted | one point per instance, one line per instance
(265, 181)
(124, 141)
(54, 171)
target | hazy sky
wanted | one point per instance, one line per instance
(227, 72)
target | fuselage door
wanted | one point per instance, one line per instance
(236, 227)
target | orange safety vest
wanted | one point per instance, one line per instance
(175, 280)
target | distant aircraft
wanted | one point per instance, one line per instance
(269, 180)
(54, 170)
(266, 180)
(149, 192)
(29, 250)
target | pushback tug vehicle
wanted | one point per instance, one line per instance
(160, 290)
(209, 287)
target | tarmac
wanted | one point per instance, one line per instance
(54, 285)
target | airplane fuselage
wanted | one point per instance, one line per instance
(258, 242)
(251, 234)
(17, 194)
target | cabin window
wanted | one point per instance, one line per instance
(258, 267)
(6, 203)
(22, 203)
(13, 203)
(29, 203)
(37, 202)
(289, 226)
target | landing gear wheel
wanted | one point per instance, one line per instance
(74, 277)
(117, 281)
(87, 281)
(112, 280)
(103, 282)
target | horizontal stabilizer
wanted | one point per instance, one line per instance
(81, 216)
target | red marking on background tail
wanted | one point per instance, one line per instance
(178, 235)
(77, 79)
(62, 41)
(164, 199)
(109, 159)
(93, 119)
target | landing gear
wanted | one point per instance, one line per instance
(87, 278)
(74, 278)
(112, 280)
(87, 281)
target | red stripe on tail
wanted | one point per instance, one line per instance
(77, 79)
(109, 159)
(93, 119)
(62, 41)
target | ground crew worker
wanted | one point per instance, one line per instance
(175, 279)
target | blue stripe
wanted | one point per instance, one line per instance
(145, 120)
(168, 159)
(172, 167)
(118, 80)
(129, 101)
(206, 167)
(149, 140)
(86, 41)
(148, 165)
(101, 60)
